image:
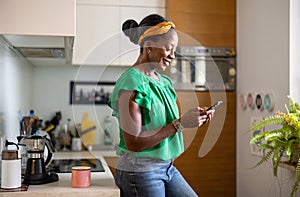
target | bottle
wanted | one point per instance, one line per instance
(107, 127)
(11, 168)
(2, 147)
(31, 113)
(76, 140)
(65, 137)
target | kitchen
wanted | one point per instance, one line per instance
(257, 37)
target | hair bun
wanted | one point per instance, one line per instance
(130, 29)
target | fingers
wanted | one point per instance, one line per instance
(211, 113)
(197, 117)
(205, 115)
(201, 111)
(201, 122)
(202, 117)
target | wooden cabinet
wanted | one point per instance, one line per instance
(99, 38)
(213, 174)
(210, 22)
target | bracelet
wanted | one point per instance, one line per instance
(177, 125)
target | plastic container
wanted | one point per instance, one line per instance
(81, 176)
(107, 129)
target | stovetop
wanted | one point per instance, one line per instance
(65, 165)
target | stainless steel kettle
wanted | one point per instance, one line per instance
(39, 154)
(38, 147)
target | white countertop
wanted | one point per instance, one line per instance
(102, 183)
(96, 177)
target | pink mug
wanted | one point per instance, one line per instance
(81, 176)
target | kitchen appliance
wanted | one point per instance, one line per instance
(36, 164)
(65, 165)
(204, 68)
(28, 126)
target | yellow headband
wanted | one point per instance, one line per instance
(160, 28)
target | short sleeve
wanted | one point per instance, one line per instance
(130, 82)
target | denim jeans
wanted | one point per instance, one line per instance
(141, 177)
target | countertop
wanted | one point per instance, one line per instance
(102, 183)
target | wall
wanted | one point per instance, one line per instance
(15, 88)
(294, 49)
(46, 89)
(263, 67)
(51, 93)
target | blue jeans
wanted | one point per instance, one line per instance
(141, 177)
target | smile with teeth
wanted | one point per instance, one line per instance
(166, 62)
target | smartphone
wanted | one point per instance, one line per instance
(215, 105)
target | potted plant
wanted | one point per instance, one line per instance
(280, 139)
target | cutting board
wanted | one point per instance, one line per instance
(88, 130)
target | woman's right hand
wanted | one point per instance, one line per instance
(196, 117)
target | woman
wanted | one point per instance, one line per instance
(144, 102)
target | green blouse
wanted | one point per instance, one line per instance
(157, 100)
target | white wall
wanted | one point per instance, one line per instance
(51, 93)
(15, 88)
(46, 90)
(295, 48)
(263, 67)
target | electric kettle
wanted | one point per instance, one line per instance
(36, 163)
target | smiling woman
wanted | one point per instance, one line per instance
(145, 103)
(158, 38)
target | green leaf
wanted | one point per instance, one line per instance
(264, 159)
(289, 148)
(271, 120)
(276, 160)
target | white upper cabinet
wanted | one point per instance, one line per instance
(143, 3)
(32, 17)
(99, 38)
(42, 31)
(93, 42)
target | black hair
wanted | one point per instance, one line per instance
(133, 30)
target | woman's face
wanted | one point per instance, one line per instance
(162, 51)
